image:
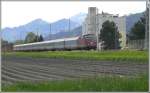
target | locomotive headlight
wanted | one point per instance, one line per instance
(91, 42)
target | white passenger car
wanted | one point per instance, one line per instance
(58, 44)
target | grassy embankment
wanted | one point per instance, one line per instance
(126, 55)
(106, 83)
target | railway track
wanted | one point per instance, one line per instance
(20, 69)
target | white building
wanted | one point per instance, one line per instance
(94, 20)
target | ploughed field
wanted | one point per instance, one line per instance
(21, 69)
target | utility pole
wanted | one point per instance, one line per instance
(97, 34)
(50, 30)
(115, 41)
(69, 24)
(37, 35)
(146, 45)
(20, 37)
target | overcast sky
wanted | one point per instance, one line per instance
(19, 13)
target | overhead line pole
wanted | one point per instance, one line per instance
(146, 45)
(69, 24)
(20, 37)
(50, 31)
(115, 40)
(37, 35)
(97, 34)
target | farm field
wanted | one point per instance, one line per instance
(31, 70)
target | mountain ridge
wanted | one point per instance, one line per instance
(40, 26)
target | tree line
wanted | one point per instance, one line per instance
(30, 38)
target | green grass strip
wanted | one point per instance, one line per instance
(124, 55)
(103, 83)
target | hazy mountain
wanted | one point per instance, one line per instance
(79, 18)
(59, 29)
(12, 34)
(62, 25)
(131, 20)
(37, 26)
(74, 32)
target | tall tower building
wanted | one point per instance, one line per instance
(89, 26)
(93, 24)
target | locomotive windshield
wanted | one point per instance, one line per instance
(90, 37)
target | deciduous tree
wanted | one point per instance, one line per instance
(109, 35)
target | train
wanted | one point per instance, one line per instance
(85, 42)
